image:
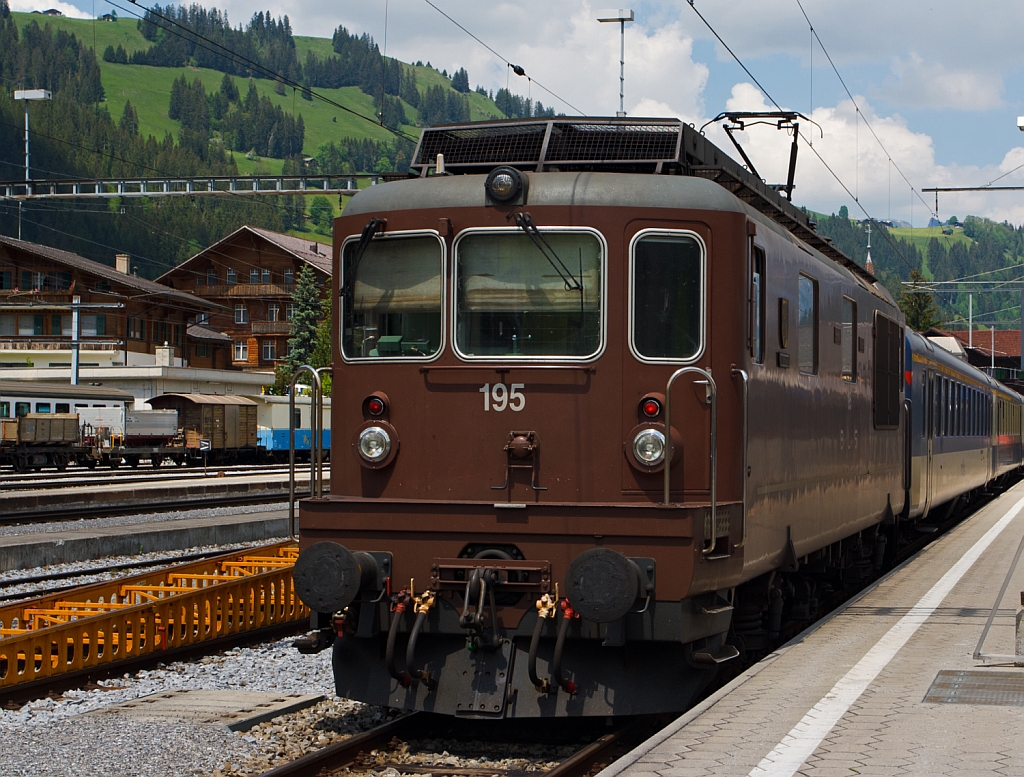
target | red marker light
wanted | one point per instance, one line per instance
(375, 406)
(651, 408)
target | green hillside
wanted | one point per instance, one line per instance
(148, 89)
(921, 236)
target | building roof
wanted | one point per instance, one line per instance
(28, 388)
(207, 335)
(169, 400)
(310, 252)
(108, 273)
(1007, 341)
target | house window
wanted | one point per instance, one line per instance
(65, 326)
(7, 325)
(241, 314)
(289, 276)
(807, 325)
(6, 281)
(232, 277)
(30, 325)
(289, 311)
(203, 350)
(273, 312)
(211, 276)
(269, 350)
(241, 351)
(94, 326)
(265, 276)
(202, 318)
(254, 276)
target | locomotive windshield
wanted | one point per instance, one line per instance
(392, 306)
(513, 301)
(668, 307)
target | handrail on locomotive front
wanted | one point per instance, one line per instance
(316, 419)
(714, 442)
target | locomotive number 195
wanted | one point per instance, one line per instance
(499, 396)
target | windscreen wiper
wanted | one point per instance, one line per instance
(525, 223)
(373, 226)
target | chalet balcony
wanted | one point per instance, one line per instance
(55, 344)
(246, 290)
(271, 328)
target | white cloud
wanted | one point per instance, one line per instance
(921, 84)
(27, 6)
(874, 178)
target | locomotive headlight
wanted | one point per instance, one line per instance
(504, 184)
(374, 444)
(649, 446)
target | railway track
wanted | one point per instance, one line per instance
(382, 749)
(43, 481)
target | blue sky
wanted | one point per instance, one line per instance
(940, 84)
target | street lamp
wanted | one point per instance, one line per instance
(27, 95)
(620, 15)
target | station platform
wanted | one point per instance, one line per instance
(886, 685)
(153, 492)
(102, 538)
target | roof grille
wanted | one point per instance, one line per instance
(659, 146)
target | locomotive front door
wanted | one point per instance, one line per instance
(668, 287)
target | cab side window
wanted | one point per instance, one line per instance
(757, 285)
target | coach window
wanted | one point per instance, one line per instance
(667, 296)
(5, 409)
(849, 340)
(757, 306)
(391, 297)
(807, 325)
(22, 408)
(42, 407)
(62, 407)
(520, 299)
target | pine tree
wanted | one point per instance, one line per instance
(920, 309)
(305, 320)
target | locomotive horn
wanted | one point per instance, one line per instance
(328, 576)
(602, 584)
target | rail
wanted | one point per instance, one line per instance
(713, 390)
(102, 624)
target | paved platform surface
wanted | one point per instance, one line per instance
(848, 696)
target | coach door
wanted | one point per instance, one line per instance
(931, 411)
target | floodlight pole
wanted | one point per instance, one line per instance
(620, 15)
(26, 95)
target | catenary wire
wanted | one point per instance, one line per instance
(503, 59)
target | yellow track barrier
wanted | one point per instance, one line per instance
(101, 624)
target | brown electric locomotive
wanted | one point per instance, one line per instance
(517, 328)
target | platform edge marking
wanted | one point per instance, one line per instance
(805, 737)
